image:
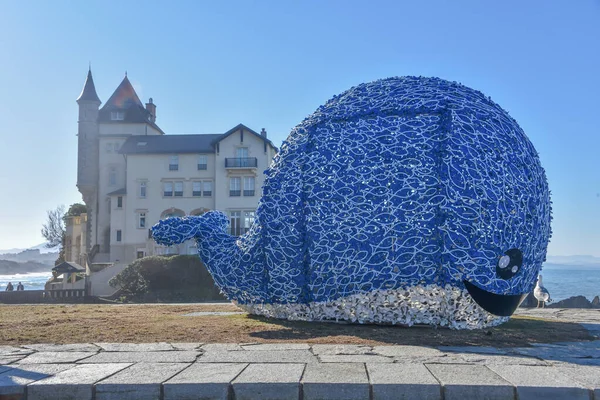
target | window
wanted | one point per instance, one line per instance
(120, 202)
(248, 186)
(168, 189)
(140, 254)
(112, 176)
(116, 146)
(108, 147)
(202, 162)
(118, 235)
(235, 222)
(241, 152)
(248, 220)
(143, 190)
(202, 188)
(240, 222)
(178, 189)
(142, 220)
(117, 115)
(196, 189)
(174, 163)
(235, 186)
(207, 192)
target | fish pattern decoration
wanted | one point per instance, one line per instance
(407, 200)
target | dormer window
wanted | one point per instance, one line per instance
(117, 115)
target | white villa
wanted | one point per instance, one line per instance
(131, 174)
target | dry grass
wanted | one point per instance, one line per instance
(26, 324)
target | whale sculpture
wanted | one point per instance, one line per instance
(406, 201)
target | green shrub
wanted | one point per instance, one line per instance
(178, 278)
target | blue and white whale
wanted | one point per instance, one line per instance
(406, 200)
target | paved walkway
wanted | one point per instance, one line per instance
(302, 371)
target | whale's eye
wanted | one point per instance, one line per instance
(509, 264)
(504, 261)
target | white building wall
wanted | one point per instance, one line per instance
(153, 170)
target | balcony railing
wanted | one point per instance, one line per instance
(248, 192)
(246, 162)
(235, 193)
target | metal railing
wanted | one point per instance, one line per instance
(245, 162)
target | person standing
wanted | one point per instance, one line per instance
(20, 287)
(9, 287)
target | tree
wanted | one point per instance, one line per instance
(54, 230)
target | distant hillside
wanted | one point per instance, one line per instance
(583, 260)
(12, 267)
(41, 247)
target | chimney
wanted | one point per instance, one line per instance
(151, 108)
(263, 132)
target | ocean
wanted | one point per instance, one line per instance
(33, 281)
(562, 281)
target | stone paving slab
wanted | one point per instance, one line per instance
(359, 358)
(5, 360)
(83, 347)
(275, 346)
(472, 349)
(471, 382)
(588, 376)
(491, 359)
(344, 349)
(407, 351)
(14, 379)
(186, 346)
(139, 382)
(269, 382)
(136, 357)
(288, 356)
(222, 347)
(53, 357)
(72, 384)
(546, 383)
(402, 381)
(335, 382)
(13, 351)
(135, 346)
(202, 381)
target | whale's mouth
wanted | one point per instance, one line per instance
(503, 305)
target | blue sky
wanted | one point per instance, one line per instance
(211, 65)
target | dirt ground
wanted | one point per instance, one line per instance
(27, 324)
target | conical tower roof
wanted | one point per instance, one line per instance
(89, 90)
(124, 97)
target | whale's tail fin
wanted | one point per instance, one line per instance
(177, 230)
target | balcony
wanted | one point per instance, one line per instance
(246, 162)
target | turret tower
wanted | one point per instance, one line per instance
(87, 154)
